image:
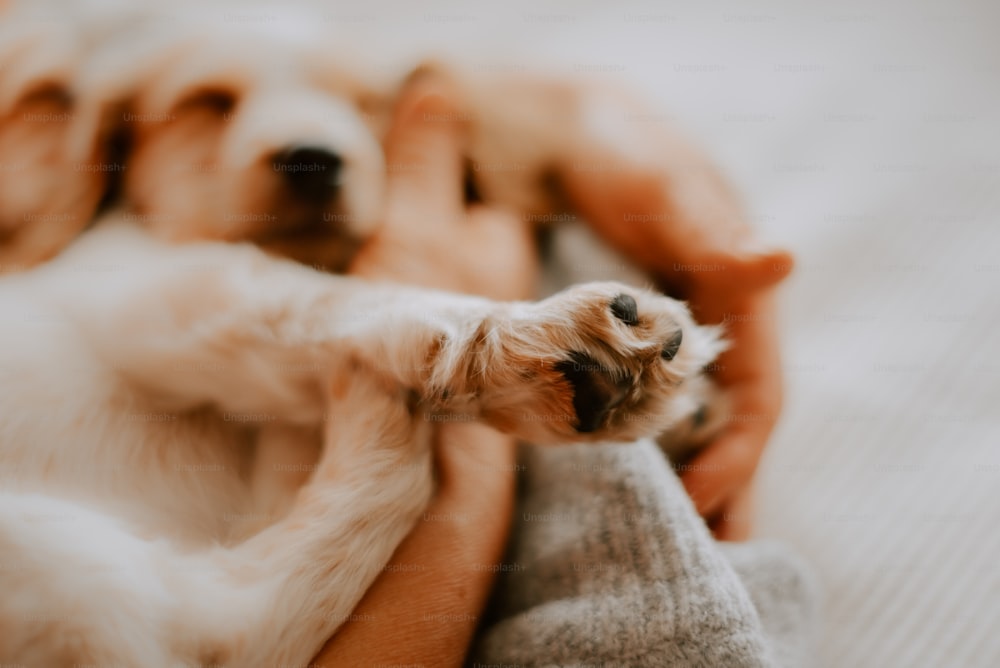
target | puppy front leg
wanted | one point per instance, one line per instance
(300, 579)
(226, 325)
(251, 334)
(87, 591)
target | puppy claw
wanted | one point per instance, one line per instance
(670, 348)
(625, 309)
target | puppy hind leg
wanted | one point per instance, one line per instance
(78, 588)
(303, 576)
(257, 337)
(284, 459)
(100, 595)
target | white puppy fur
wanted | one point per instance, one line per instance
(208, 454)
(151, 389)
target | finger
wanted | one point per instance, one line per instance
(761, 268)
(424, 158)
(476, 485)
(726, 279)
(507, 266)
(750, 374)
(750, 369)
(725, 465)
(734, 522)
(452, 550)
(730, 461)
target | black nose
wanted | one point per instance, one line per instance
(311, 173)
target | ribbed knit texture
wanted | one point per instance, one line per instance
(610, 565)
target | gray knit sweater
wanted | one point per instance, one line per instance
(610, 565)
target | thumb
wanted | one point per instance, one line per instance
(424, 154)
(765, 267)
(748, 271)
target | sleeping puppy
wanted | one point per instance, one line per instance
(160, 374)
(234, 132)
(142, 519)
(249, 133)
(271, 132)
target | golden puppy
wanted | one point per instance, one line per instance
(247, 133)
(148, 407)
(196, 357)
(52, 165)
(271, 132)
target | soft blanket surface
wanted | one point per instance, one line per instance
(609, 565)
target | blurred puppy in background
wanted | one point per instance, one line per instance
(272, 133)
(52, 161)
(235, 132)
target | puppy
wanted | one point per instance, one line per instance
(271, 132)
(148, 382)
(237, 133)
(236, 444)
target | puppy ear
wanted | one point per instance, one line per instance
(55, 177)
(33, 59)
(217, 99)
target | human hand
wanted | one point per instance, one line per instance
(429, 599)
(425, 607)
(430, 237)
(728, 279)
(679, 220)
(719, 477)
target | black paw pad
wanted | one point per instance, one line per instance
(671, 347)
(625, 309)
(595, 390)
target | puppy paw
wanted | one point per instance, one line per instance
(600, 361)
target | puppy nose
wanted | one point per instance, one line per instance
(312, 173)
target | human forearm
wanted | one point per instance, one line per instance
(426, 606)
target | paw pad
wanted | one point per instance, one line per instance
(595, 390)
